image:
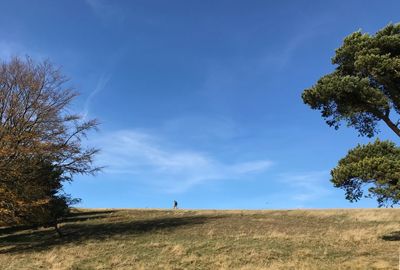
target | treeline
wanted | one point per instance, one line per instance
(40, 143)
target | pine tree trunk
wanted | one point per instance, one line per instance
(58, 229)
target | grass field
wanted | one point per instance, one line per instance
(184, 239)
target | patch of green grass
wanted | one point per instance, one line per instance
(205, 239)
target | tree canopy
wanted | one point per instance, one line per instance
(365, 85)
(375, 165)
(364, 89)
(40, 142)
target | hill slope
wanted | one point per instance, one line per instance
(184, 239)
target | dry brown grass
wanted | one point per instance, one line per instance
(207, 239)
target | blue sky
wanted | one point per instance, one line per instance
(200, 100)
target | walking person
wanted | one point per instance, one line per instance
(175, 204)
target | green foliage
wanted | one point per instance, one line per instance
(374, 164)
(363, 89)
(365, 86)
(34, 196)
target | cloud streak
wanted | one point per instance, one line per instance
(101, 84)
(105, 9)
(9, 49)
(306, 187)
(143, 155)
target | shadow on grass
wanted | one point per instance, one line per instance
(72, 217)
(87, 215)
(393, 236)
(75, 232)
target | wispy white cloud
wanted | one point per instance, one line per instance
(224, 82)
(308, 32)
(106, 9)
(192, 126)
(308, 186)
(251, 166)
(141, 154)
(10, 49)
(101, 84)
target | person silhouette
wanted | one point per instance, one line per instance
(175, 204)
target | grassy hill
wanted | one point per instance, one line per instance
(185, 239)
